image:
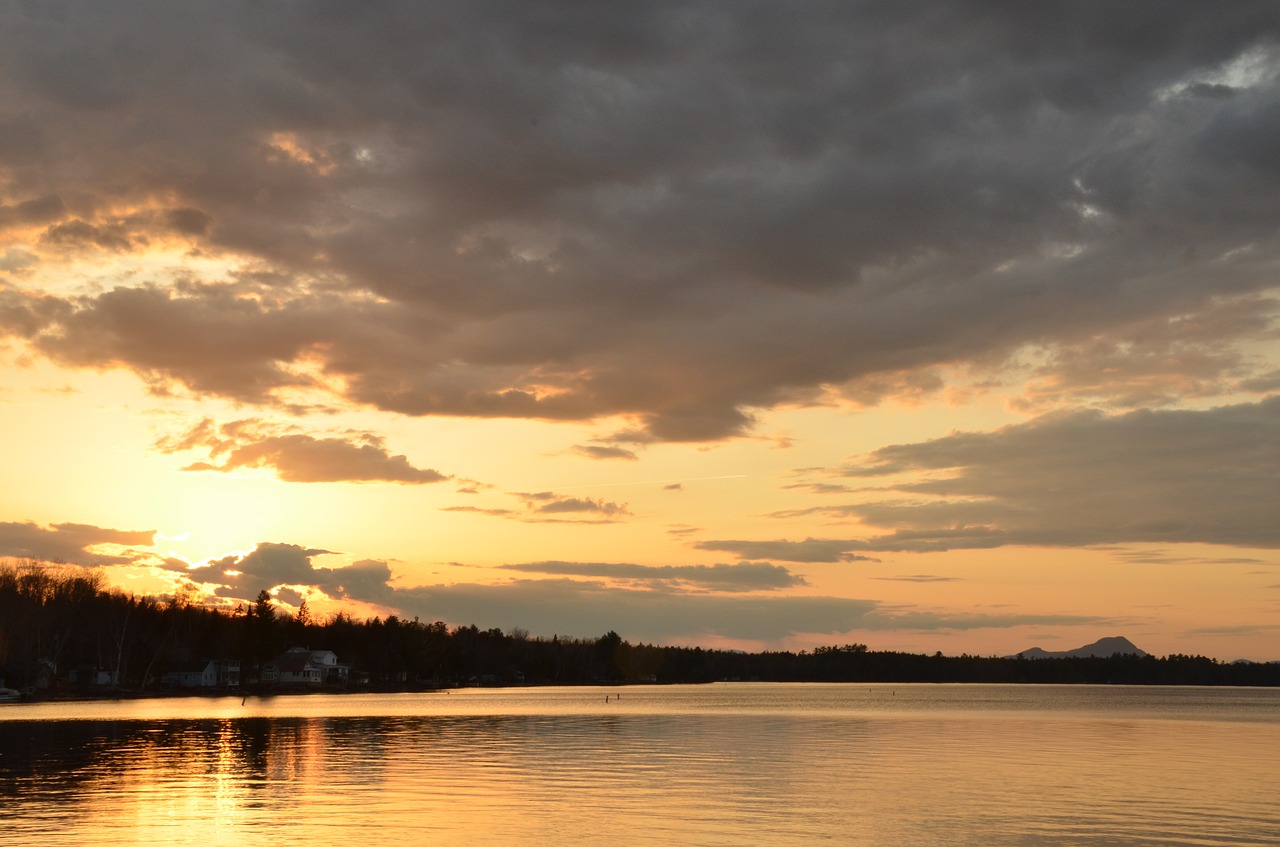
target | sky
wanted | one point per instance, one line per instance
(932, 326)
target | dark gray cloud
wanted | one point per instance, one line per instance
(69, 543)
(678, 214)
(272, 565)
(78, 234)
(1070, 479)
(367, 580)
(744, 576)
(1086, 478)
(1266, 383)
(296, 457)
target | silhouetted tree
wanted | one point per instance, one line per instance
(263, 610)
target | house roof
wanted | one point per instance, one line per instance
(292, 662)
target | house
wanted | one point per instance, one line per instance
(198, 674)
(303, 666)
(204, 673)
(228, 672)
(87, 677)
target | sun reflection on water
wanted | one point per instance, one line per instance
(228, 783)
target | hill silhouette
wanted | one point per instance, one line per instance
(1116, 645)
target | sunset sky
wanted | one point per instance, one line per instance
(930, 326)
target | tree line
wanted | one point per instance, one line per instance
(61, 622)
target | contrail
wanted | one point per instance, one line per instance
(651, 482)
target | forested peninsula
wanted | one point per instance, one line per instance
(63, 632)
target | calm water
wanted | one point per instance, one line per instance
(725, 764)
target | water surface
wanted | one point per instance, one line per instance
(724, 764)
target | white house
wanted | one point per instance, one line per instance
(204, 673)
(228, 672)
(299, 665)
(201, 674)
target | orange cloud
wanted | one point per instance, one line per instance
(297, 457)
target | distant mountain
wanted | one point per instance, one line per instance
(1104, 647)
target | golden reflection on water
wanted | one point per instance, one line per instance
(771, 765)
(225, 796)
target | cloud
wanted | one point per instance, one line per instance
(595, 451)
(70, 543)
(920, 577)
(267, 566)
(820, 487)
(297, 457)
(78, 234)
(666, 604)
(1087, 478)
(676, 217)
(542, 504)
(367, 580)
(476, 510)
(587, 609)
(1265, 383)
(272, 565)
(547, 504)
(1240, 629)
(745, 576)
(1158, 361)
(32, 211)
(1069, 479)
(808, 550)
(15, 259)
(1162, 557)
(549, 507)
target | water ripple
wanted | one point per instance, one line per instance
(716, 765)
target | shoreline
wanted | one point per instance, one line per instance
(121, 695)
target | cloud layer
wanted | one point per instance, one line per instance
(70, 543)
(676, 215)
(588, 609)
(1068, 479)
(745, 576)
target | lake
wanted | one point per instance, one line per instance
(723, 764)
